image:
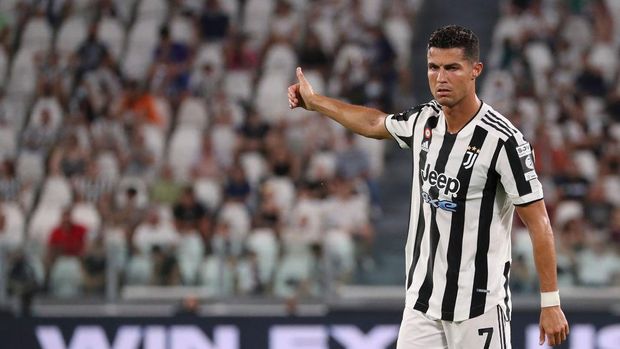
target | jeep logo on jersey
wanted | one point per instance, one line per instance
(449, 185)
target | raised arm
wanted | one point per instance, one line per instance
(365, 121)
(553, 323)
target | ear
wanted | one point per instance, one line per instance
(477, 70)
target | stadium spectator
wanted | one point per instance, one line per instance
(188, 212)
(137, 105)
(214, 23)
(94, 263)
(92, 186)
(70, 158)
(66, 239)
(166, 189)
(237, 187)
(90, 54)
(154, 232)
(206, 165)
(170, 69)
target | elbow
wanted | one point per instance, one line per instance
(376, 129)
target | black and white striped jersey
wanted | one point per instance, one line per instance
(464, 189)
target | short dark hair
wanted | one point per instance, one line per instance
(455, 36)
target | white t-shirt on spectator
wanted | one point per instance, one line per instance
(148, 235)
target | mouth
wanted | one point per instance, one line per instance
(443, 91)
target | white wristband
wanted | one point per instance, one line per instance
(549, 299)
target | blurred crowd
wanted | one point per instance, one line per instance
(149, 142)
(554, 69)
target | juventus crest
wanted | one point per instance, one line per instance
(470, 157)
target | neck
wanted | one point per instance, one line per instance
(460, 114)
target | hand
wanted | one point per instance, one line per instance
(553, 325)
(300, 93)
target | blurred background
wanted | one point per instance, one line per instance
(150, 167)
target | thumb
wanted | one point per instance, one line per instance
(541, 339)
(300, 75)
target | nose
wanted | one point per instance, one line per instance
(441, 75)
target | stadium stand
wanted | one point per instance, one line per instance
(163, 126)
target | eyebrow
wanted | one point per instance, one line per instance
(447, 66)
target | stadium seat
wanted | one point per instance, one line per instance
(224, 140)
(141, 44)
(56, 192)
(107, 162)
(340, 252)
(397, 29)
(322, 165)
(211, 53)
(190, 254)
(154, 139)
(566, 211)
(325, 30)
(268, 99)
(350, 54)
(256, 16)
(139, 270)
(263, 242)
(238, 85)
(13, 236)
(152, 9)
(111, 33)
(279, 58)
(15, 111)
(30, 167)
(115, 243)
(376, 153)
(254, 166)
(165, 112)
(292, 270)
(238, 218)
(193, 114)
(65, 278)
(612, 188)
(8, 142)
(22, 77)
(586, 163)
(209, 192)
(283, 190)
(183, 149)
(86, 214)
(182, 30)
(37, 34)
(72, 33)
(216, 275)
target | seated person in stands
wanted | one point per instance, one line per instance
(188, 212)
(67, 239)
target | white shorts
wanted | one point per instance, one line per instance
(487, 331)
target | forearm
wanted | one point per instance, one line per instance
(544, 257)
(537, 221)
(359, 119)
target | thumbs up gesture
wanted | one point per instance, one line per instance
(300, 93)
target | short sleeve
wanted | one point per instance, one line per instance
(400, 126)
(515, 165)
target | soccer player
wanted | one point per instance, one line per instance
(471, 169)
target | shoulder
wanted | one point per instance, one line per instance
(425, 109)
(500, 126)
